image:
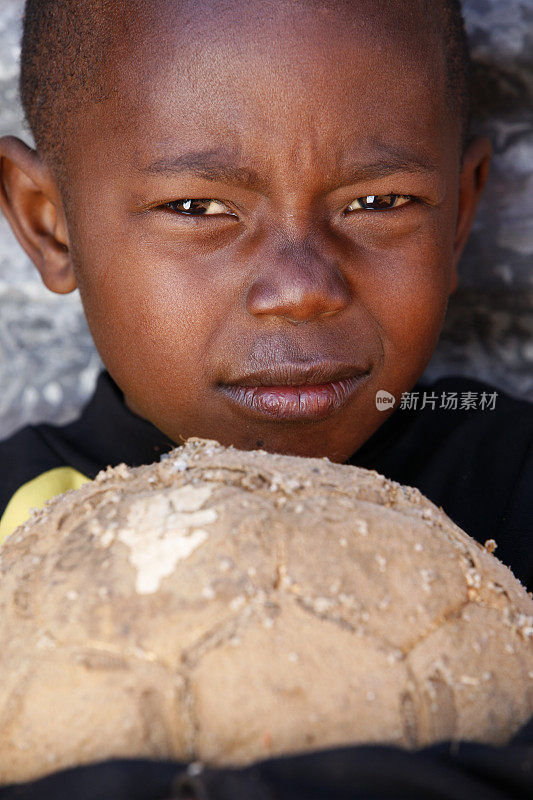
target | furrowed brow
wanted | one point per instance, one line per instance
(219, 165)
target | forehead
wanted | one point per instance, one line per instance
(279, 78)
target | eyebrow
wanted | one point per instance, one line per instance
(380, 169)
(390, 160)
(219, 165)
(212, 165)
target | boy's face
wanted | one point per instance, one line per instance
(279, 117)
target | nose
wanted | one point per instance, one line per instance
(299, 283)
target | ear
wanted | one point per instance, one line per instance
(30, 200)
(474, 174)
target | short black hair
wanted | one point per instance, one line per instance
(63, 58)
(459, 63)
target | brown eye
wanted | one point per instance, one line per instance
(378, 202)
(199, 208)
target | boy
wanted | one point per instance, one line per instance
(263, 205)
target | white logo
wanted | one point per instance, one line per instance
(384, 400)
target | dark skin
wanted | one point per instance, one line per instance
(323, 106)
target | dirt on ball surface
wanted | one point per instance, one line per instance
(227, 606)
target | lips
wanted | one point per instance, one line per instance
(295, 392)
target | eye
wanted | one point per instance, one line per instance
(199, 208)
(379, 202)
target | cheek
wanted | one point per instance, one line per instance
(406, 296)
(144, 305)
(410, 291)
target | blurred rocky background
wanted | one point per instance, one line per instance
(48, 365)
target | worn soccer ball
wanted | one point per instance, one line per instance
(227, 606)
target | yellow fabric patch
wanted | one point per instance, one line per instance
(35, 493)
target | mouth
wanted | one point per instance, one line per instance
(295, 392)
